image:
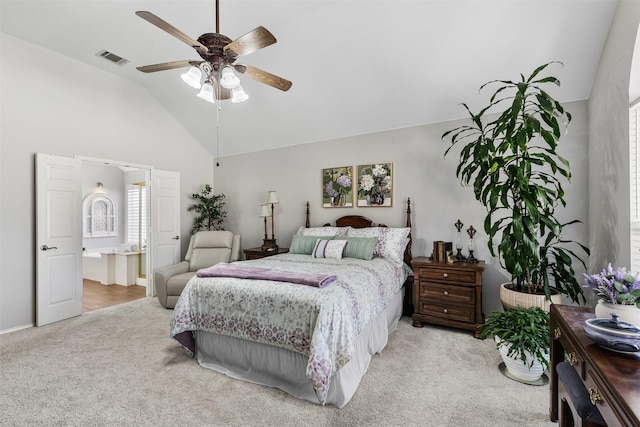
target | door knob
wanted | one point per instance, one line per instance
(175, 238)
(46, 248)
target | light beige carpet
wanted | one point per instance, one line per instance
(118, 367)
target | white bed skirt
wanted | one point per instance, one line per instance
(285, 369)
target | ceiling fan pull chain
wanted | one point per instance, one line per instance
(218, 107)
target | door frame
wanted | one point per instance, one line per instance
(147, 168)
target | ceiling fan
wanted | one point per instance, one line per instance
(219, 54)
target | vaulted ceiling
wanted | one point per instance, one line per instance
(357, 67)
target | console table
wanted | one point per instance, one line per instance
(612, 379)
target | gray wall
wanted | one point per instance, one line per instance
(420, 172)
(56, 105)
(609, 210)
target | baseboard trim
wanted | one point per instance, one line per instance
(17, 328)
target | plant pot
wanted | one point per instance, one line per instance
(511, 299)
(517, 368)
(626, 313)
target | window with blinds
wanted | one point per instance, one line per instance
(137, 214)
(634, 153)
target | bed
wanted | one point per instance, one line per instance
(313, 340)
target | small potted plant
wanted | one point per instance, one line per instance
(522, 337)
(619, 292)
(209, 209)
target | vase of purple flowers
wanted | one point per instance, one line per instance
(619, 292)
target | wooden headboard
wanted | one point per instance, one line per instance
(359, 221)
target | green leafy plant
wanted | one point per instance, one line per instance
(516, 172)
(209, 209)
(526, 329)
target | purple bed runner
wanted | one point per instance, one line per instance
(240, 271)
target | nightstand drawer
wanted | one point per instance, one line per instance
(447, 294)
(445, 311)
(446, 275)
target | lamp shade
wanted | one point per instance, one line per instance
(272, 197)
(192, 77)
(264, 211)
(238, 95)
(228, 78)
(206, 93)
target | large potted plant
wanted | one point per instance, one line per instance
(209, 209)
(522, 337)
(512, 162)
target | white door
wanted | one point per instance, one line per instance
(58, 238)
(165, 220)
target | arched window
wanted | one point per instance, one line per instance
(100, 216)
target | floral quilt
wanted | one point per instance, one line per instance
(322, 323)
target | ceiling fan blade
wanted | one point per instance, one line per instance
(165, 26)
(167, 66)
(264, 77)
(254, 40)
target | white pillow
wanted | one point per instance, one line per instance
(323, 231)
(391, 241)
(329, 249)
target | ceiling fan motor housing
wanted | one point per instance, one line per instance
(215, 53)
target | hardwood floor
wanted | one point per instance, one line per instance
(97, 296)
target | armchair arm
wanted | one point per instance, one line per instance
(161, 276)
(235, 248)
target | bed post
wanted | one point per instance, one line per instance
(307, 224)
(407, 253)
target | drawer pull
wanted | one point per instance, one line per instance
(594, 395)
(445, 311)
(445, 275)
(445, 293)
(557, 333)
(573, 359)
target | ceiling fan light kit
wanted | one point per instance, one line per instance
(192, 77)
(238, 95)
(206, 93)
(218, 66)
(229, 79)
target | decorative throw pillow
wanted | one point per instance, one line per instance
(304, 244)
(359, 247)
(323, 231)
(391, 241)
(329, 249)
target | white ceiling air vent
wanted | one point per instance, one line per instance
(112, 57)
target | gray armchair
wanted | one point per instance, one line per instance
(206, 248)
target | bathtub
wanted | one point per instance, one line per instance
(110, 266)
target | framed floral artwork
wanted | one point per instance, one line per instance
(375, 185)
(337, 187)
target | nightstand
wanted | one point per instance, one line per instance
(257, 253)
(447, 294)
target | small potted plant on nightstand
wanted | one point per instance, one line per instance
(522, 337)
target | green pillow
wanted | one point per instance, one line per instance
(359, 247)
(304, 244)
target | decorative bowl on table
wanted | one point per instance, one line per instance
(613, 334)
